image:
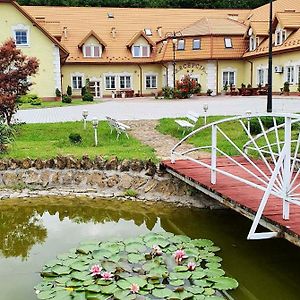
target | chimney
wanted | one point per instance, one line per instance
(113, 32)
(65, 32)
(159, 31)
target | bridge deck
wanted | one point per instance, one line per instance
(237, 195)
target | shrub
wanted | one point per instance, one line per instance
(286, 87)
(69, 91)
(209, 92)
(88, 97)
(36, 102)
(83, 91)
(75, 138)
(186, 87)
(130, 193)
(6, 136)
(267, 123)
(29, 98)
(168, 92)
(66, 99)
(58, 93)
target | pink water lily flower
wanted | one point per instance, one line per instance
(134, 289)
(179, 255)
(107, 276)
(156, 250)
(96, 270)
(191, 266)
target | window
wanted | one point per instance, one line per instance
(151, 81)
(91, 51)
(77, 82)
(228, 43)
(196, 44)
(228, 78)
(290, 74)
(252, 43)
(148, 31)
(110, 82)
(261, 77)
(280, 37)
(125, 82)
(141, 51)
(181, 45)
(21, 37)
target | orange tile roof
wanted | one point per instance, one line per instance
(288, 20)
(127, 23)
(260, 28)
(95, 35)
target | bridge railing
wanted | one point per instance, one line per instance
(271, 156)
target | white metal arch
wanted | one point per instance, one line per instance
(275, 147)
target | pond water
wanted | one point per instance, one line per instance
(34, 231)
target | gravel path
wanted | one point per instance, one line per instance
(145, 132)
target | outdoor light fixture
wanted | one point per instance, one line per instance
(205, 108)
(248, 114)
(95, 123)
(85, 114)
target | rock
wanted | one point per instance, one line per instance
(10, 179)
(126, 181)
(112, 181)
(45, 178)
(32, 177)
(86, 163)
(112, 164)
(71, 162)
(96, 179)
(38, 164)
(150, 185)
(26, 163)
(125, 165)
(137, 165)
(61, 162)
(3, 165)
(55, 179)
(99, 162)
(80, 177)
(150, 168)
(67, 178)
(50, 163)
(13, 164)
(138, 182)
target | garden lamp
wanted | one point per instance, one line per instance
(248, 114)
(95, 123)
(85, 114)
(205, 108)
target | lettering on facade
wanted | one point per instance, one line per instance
(190, 67)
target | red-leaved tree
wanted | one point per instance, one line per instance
(15, 70)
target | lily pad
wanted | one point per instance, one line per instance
(224, 283)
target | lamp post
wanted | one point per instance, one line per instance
(248, 114)
(95, 123)
(205, 108)
(85, 114)
(270, 68)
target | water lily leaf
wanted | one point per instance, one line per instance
(135, 247)
(53, 263)
(162, 293)
(96, 296)
(93, 288)
(85, 249)
(209, 291)
(192, 252)
(46, 294)
(198, 274)
(202, 283)
(82, 276)
(201, 297)
(79, 296)
(123, 284)
(202, 243)
(102, 254)
(61, 270)
(180, 275)
(109, 266)
(149, 287)
(134, 258)
(73, 283)
(214, 259)
(62, 280)
(177, 282)
(213, 265)
(137, 280)
(213, 249)
(181, 295)
(214, 272)
(150, 265)
(213, 298)
(109, 289)
(121, 294)
(178, 239)
(181, 268)
(224, 283)
(80, 266)
(63, 256)
(195, 289)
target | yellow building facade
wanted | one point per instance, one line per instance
(124, 52)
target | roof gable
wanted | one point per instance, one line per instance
(137, 36)
(92, 34)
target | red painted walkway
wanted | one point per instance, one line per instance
(239, 196)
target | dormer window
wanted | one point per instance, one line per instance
(141, 51)
(228, 42)
(92, 51)
(280, 37)
(148, 31)
(181, 44)
(253, 42)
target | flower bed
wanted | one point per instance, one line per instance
(154, 266)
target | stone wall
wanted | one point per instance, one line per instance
(97, 178)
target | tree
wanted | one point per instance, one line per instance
(15, 70)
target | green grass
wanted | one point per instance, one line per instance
(49, 104)
(49, 140)
(232, 129)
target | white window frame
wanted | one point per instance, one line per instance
(125, 82)
(262, 75)
(181, 45)
(228, 76)
(252, 43)
(195, 48)
(77, 86)
(290, 74)
(151, 76)
(280, 36)
(110, 81)
(22, 28)
(141, 50)
(228, 43)
(93, 46)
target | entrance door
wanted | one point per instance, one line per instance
(95, 89)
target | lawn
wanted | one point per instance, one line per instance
(49, 140)
(232, 129)
(49, 104)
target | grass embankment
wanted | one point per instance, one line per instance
(49, 104)
(232, 129)
(49, 140)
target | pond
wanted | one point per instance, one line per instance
(34, 231)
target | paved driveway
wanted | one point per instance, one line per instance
(151, 109)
